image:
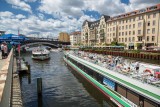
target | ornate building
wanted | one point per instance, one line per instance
(135, 29)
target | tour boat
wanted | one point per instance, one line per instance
(127, 89)
(40, 54)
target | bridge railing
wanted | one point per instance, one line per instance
(6, 81)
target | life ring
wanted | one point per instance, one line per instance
(147, 70)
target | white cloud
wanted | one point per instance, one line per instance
(20, 16)
(18, 4)
(69, 15)
(139, 4)
(62, 7)
(30, 0)
(6, 14)
(107, 7)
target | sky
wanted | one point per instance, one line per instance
(46, 18)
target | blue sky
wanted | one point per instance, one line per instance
(49, 17)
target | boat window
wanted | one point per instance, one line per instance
(157, 70)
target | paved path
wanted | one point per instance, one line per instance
(1, 61)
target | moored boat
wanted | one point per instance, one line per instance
(40, 53)
(123, 88)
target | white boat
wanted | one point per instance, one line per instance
(40, 53)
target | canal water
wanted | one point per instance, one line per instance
(62, 87)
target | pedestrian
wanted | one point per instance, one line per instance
(2, 49)
(5, 51)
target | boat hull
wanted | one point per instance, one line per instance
(93, 84)
(40, 58)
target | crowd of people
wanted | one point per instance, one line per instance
(116, 64)
(5, 49)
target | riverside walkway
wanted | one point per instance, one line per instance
(10, 92)
(1, 61)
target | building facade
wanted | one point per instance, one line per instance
(75, 38)
(64, 37)
(136, 29)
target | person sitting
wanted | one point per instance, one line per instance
(126, 70)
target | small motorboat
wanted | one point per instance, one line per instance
(40, 53)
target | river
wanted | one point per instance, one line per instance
(62, 87)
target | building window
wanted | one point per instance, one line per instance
(113, 28)
(125, 39)
(154, 22)
(154, 15)
(129, 32)
(148, 31)
(122, 27)
(149, 16)
(110, 29)
(129, 26)
(133, 25)
(122, 33)
(119, 27)
(126, 20)
(153, 30)
(139, 38)
(132, 39)
(126, 33)
(119, 39)
(147, 38)
(122, 40)
(139, 32)
(148, 23)
(126, 26)
(153, 38)
(129, 39)
(119, 22)
(113, 34)
(139, 24)
(119, 33)
(133, 32)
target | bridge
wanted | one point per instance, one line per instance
(52, 43)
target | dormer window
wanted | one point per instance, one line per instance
(153, 8)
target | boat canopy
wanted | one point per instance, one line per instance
(12, 37)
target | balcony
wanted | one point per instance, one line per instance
(101, 31)
(102, 36)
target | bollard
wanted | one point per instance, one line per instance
(29, 78)
(28, 68)
(39, 86)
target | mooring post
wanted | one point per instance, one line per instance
(28, 68)
(39, 86)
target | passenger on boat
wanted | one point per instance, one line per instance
(116, 60)
(126, 70)
(137, 66)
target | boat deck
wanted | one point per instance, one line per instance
(133, 80)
